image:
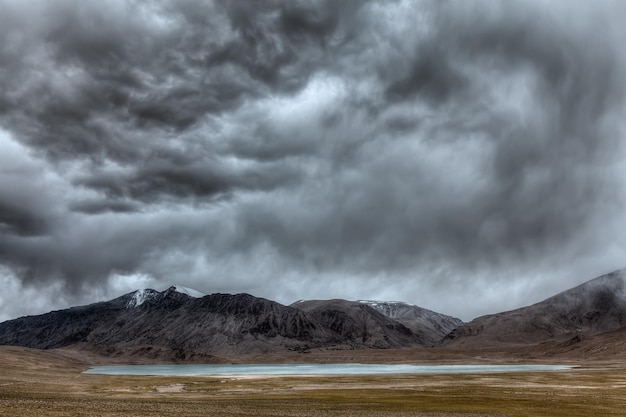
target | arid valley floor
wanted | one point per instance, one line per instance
(51, 383)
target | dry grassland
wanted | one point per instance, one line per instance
(50, 383)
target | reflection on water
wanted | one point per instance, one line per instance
(314, 369)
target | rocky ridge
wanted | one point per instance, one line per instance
(209, 324)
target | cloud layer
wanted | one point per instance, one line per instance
(425, 151)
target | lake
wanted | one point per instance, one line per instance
(313, 369)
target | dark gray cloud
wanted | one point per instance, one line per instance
(195, 178)
(98, 206)
(359, 149)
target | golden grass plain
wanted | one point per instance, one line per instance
(51, 383)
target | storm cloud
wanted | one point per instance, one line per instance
(434, 152)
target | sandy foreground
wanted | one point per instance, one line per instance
(51, 383)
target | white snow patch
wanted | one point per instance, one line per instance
(139, 297)
(393, 309)
(390, 303)
(189, 291)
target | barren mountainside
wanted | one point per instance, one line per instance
(592, 308)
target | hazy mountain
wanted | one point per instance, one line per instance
(594, 307)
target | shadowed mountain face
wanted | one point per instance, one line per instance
(217, 323)
(594, 307)
(359, 324)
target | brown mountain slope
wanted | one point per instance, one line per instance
(594, 307)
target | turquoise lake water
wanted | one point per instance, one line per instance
(313, 369)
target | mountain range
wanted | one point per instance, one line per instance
(189, 324)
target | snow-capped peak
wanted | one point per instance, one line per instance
(141, 296)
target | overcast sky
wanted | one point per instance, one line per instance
(465, 156)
